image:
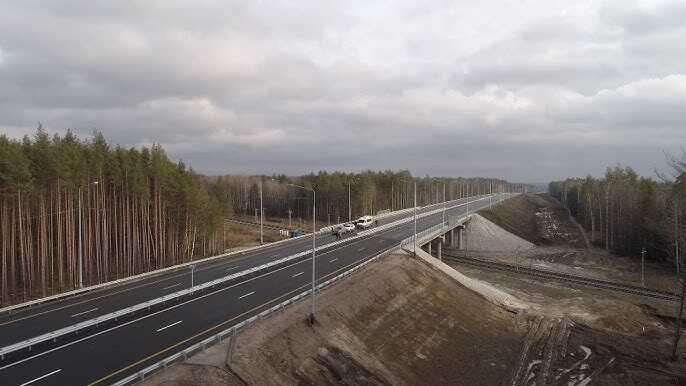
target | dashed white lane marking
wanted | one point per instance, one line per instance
(361, 249)
(85, 312)
(41, 377)
(332, 260)
(232, 268)
(248, 294)
(172, 286)
(297, 274)
(171, 325)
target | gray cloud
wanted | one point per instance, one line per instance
(527, 90)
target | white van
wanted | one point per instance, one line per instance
(364, 222)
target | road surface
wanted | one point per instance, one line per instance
(114, 350)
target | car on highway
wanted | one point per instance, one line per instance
(349, 227)
(364, 222)
(343, 229)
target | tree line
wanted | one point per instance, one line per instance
(342, 195)
(78, 212)
(626, 213)
(125, 211)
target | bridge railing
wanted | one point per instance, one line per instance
(233, 330)
(54, 335)
(438, 229)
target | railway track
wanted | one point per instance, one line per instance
(253, 224)
(575, 279)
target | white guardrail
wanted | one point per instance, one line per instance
(28, 343)
(439, 228)
(231, 331)
(140, 276)
(125, 280)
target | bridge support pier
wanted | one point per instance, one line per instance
(428, 247)
(464, 242)
(438, 247)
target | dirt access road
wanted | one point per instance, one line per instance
(559, 244)
(577, 334)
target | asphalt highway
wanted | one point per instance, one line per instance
(107, 353)
(30, 322)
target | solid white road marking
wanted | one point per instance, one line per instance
(297, 274)
(201, 297)
(149, 316)
(246, 295)
(84, 312)
(212, 265)
(41, 377)
(172, 286)
(171, 325)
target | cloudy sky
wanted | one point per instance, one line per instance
(530, 90)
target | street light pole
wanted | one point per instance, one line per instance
(314, 232)
(415, 219)
(261, 216)
(468, 193)
(192, 267)
(349, 207)
(643, 258)
(443, 226)
(678, 326)
(80, 242)
(314, 246)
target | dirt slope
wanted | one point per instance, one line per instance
(488, 238)
(396, 322)
(528, 216)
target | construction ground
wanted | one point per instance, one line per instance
(400, 321)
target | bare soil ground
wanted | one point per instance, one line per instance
(240, 236)
(560, 245)
(280, 222)
(578, 335)
(397, 322)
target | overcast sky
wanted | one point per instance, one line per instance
(530, 90)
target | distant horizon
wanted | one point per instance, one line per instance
(537, 90)
(89, 135)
